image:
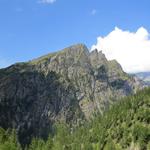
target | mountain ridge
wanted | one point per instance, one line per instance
(67, 86)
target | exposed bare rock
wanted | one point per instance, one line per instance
(68, 86)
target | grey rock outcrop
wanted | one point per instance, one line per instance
(68, 86)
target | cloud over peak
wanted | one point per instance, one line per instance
(130, 49)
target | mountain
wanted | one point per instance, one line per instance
(70, 86)
(145, 76)
(125, 126)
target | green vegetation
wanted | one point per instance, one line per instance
(8, 140)
(125, 126)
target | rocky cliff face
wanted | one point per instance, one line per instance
(67, 86)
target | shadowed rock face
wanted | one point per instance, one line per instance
(68, 86)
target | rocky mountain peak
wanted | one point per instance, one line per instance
(70, 86)
(77, 48)
(73, 50)
(97, 58)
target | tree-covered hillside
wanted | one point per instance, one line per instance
(125, 126)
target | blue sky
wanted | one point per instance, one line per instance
(31, 28)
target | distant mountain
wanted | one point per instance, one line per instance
(145, 76)
(68, 86)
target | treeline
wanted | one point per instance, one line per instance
(125, 126)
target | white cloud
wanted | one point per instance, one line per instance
(130, 49)
(47, 1)
(93, 12)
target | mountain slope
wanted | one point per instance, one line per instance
(126, 126)
(68, 86)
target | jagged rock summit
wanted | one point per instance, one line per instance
(67, 86)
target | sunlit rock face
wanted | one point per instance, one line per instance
(69, 86)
